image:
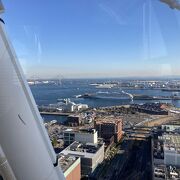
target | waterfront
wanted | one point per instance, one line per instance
(46, 94)
(48, 118)
(137, 120)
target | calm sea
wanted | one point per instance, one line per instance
(48, 94)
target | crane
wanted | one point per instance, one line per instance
(26, 152)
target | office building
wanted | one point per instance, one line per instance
(109, 127)
(83, 136)
(91, 155)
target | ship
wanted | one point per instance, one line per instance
(122, 96)
(106, 95)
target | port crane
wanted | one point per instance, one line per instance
(26, 152)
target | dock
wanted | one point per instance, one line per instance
(55, 113)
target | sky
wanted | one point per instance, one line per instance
(94, 38)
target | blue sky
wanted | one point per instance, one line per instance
(94, 38)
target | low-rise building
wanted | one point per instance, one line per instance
(166, 154)
(71, 166)
(173, 126)
(75, 120)
(108, 127)
(91, 155)
(172, 150)
(83, 136)
(79, 107)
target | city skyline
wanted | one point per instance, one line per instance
(94, 39)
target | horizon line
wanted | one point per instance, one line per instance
(122, 77)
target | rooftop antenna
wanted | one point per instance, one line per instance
(26, 152)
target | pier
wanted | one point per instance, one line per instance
(55, 113)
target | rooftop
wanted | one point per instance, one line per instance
(159, 172)
(166, 172)
(85, 150)
(173, 172)
(87, 131)
(108, 119)
(65, 161)
(172, 143)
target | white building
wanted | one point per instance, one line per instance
(91, 155)
(171, 127)
(171, 150)
(67, 105)
(80, 107)
(83, 136)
